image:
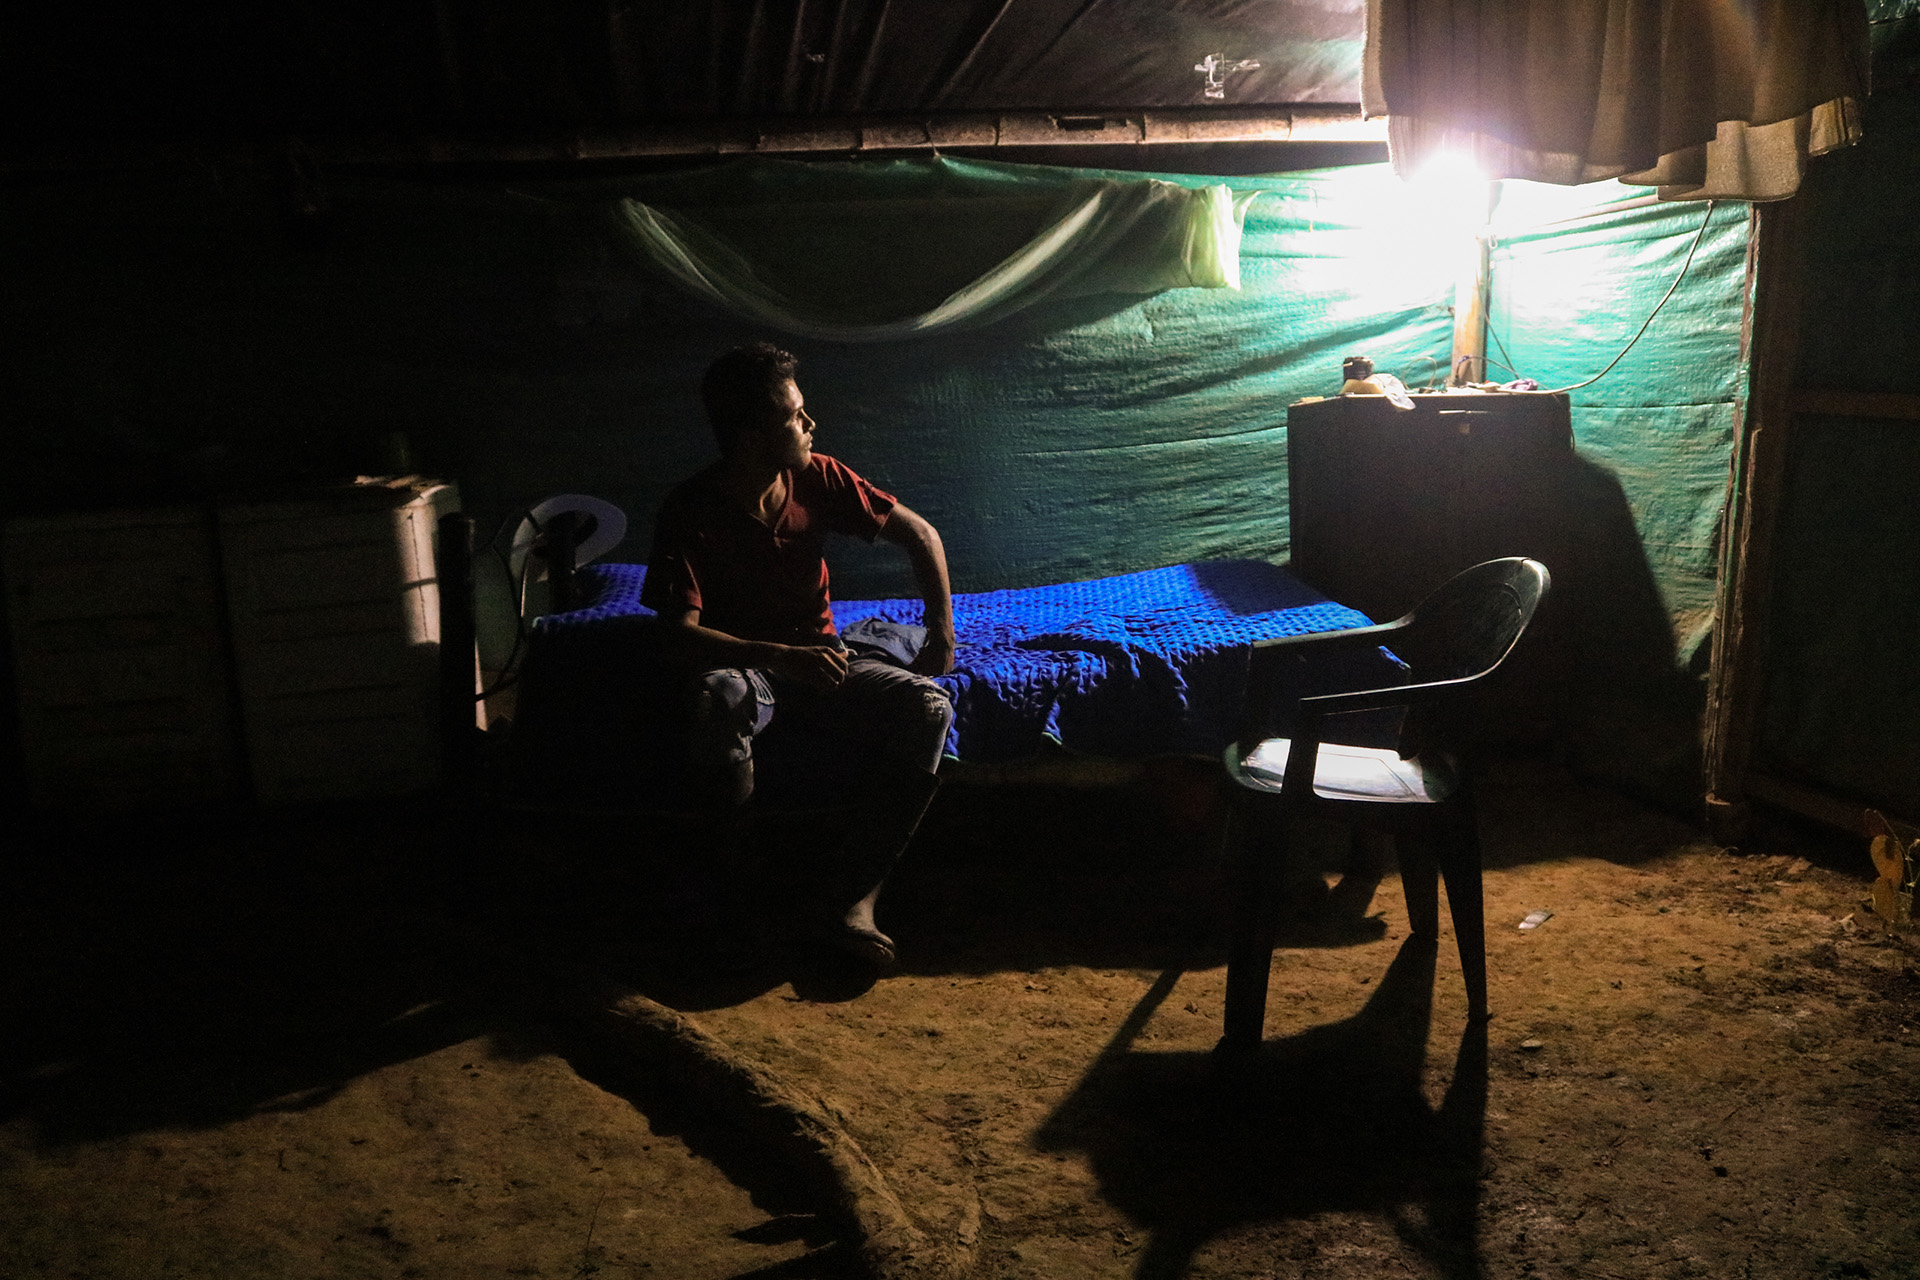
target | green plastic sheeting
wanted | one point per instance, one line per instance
(1108, 433)
(882, 250)
(189, 337)
(1082, 436)
(1576, 272)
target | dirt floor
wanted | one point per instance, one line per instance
(245, 1048)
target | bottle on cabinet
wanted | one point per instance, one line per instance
(1359, 379)
(1357, 375)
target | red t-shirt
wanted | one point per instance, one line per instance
(751, 580)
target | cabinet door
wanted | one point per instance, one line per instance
(1512, 481)
(1386, 504)
(1372, 501)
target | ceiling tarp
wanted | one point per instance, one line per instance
(1701, 98)
(84, 70)
(908, 55)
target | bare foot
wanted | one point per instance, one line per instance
(857, 937)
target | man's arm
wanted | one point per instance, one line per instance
(703, 649)
(921, 541)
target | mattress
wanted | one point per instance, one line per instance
(1140, 664)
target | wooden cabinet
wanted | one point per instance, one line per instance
(1385, 504)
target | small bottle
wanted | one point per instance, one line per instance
(1358, 374)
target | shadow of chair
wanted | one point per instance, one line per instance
(1418, 792)
(1330, 1120)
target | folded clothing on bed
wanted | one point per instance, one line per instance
(1141, 664)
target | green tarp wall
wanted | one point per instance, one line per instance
(183, 334)
(1576, 273)
(1573, 280)
(1078, 438)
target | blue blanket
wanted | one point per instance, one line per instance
(1141, 664)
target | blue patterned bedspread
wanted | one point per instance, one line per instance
(1141, 664)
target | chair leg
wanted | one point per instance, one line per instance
(1419, 878)
(1250, 880)
(1460, 864)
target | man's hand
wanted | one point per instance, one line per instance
(702, 648)
(936, 655)
(921, 541)
(819, 665)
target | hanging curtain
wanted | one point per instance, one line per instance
(1700, 98)
(1078, 238)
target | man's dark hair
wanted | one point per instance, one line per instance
(741, 386)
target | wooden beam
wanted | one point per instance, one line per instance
(1858, 404)
(1312, 123)
(1810, 802)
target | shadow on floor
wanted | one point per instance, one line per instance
(1000, 878)
(1330, 1119)
(187, 973)
(190, 971)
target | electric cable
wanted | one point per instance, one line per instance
(1503, 363)
(1487, 359)
(509, 674)
(1697, 238)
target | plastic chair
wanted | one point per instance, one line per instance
(1419, 792)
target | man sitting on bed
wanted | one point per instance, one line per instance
(738, 577)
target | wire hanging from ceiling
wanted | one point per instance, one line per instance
(1691, 250)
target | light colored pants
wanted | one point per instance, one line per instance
(879, 708)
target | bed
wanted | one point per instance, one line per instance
(1137, 665)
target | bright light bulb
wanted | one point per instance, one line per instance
(1450, 187)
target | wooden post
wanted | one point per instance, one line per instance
(453, 557)
(1755, 484)
(1470, 316)
(1470, 289)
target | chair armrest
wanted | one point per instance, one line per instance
(1399, 695)
(1351, 638)
(1266, 660)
